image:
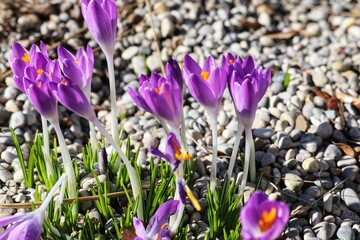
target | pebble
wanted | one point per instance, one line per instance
(17, 119)
(130, 52)
(5, 175)
(293, 181)
(324, 230)
(351, 199)
(345, 233)
(167, 26)
(310, 165)
(267, 159)
(324, 130)
(332, 152)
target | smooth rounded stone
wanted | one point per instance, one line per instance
(167, 27)
(290, 154)
(328, 202)
(130, 52)
(345, 233)
(8, 156)
(27, 21)
(314, 191)
(95, 215)
(85, 205)
(285, 142)
(139, 65)
(310, 146)
(346, 161)
(5, 175)
(324, 230)
(195, 217)
(332, 152)
(301, 123)
(153, 62)
(194, 227)
(298, 222)
(18, 176)
(310, 165)
(349, 172)
(19, 198)
(293, 181)
(290, 163)
(276, 87)
(324, 130)
(319, 78)
(276, 176)
(10, 92)
(267, 159)
(266, 41)
(17, 119)
(324, 183)
(315, 216)
(223, 118)
(292, 232)
(351, 199)
(307, 109)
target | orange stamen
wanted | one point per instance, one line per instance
(39, 84)
(180, 154)
(50, 74)
(26, 58)
(231, 61)
(192, 198)
(162, 227)
(158, 90)
(77, 62)
(64, 82)
(267, 220)
(205, 75)
(39, 71)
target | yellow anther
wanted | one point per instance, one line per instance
(39, 84)
(267, 220)
(192, 198)
(77, 62)
(159, 89)
(39, 71)
(231, 61)
(205, 75)
(26, 58)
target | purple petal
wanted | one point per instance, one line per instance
(218, 79)
(209, 64)
(248, 65)
(201, 91)
(173, 72)
(191, 65)
(63, 54)
(182, 193)
(161, 217)
(72, 71)
(139, 228)
(26, 230)
(73, 99)
(18, 67)
(11, 219)
(18, 51)
(139, 100)
(99, 25)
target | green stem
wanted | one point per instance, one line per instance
(135, 184)
(46, 149)
(239, 132)
(214, 155)
(248, 138)
(114, 121)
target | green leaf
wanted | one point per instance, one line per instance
(286, 81)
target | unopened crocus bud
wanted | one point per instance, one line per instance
(103, 162)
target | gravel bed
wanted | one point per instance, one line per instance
(302, 138)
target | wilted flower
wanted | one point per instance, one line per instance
(205, 84)
(103, 162)
(28, 226)
(158, 225)
(101, 17)
(262, 219)
(79, 68)
(161, 96)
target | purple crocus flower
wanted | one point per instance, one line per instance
(161, 96)
(79, 68)
(262, 219)
(158, 226)
(71, 96)
(205, 84)
(101, 17)
(173, 152)
(248, 84)
(28, 226)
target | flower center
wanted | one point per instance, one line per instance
(39, 84)
(180, 154)
(159, 89)
(39, 71)
(26, 58)
(205, 75)
(231, 61)
(64, 82)
(267, 220)
(77, 62)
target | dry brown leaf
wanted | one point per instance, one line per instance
(283, 35)
(347, 149)
(320, 93)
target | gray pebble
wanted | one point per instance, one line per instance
(351, 199)
(345, 233)
(332, 152)
(324, 130)
(17, 119)
(324, 230)
(293, 181)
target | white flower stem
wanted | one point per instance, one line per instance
(248, 139)
(69, 169)
(163, 124)
(240, 129)
(214, 155)
(93, 139)
(114, 121)
(175, 219)
(135, 184)
(183, 131)
(252, 161)
(50, 195)
(46, 149)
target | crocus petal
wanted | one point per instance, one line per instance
(201, 91)
(248, 65)
(18, 50)
(191, 65)
(182, 193)
(10, 219)
(18, 67)
(209, 64)
(218, 79)
(139, 100)
(25, 230)
(173, 72)
(63, 54)
(161, 217)
(100, 26)
(139, 228)
(72, 71)
(73, 99)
